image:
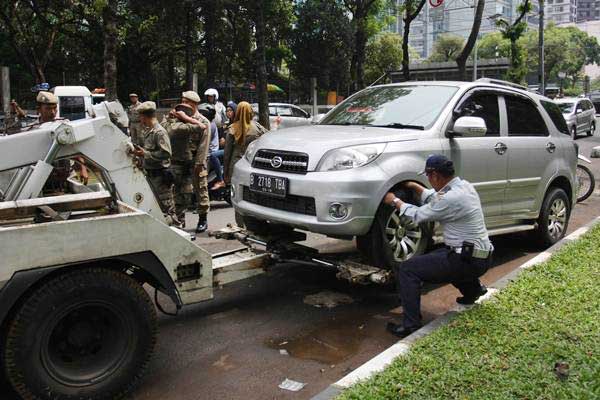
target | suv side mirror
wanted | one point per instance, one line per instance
(469, 127)
(579, 111)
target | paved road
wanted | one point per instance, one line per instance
(229, 348)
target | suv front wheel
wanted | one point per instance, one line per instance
(554, 217)
(393, 238)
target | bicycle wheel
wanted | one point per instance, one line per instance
(586, 183)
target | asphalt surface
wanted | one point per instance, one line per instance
(258, 332)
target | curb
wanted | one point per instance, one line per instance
(382, 360)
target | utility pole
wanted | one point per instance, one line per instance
(475, 49)
(541, 79)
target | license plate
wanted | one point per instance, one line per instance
(267, 184)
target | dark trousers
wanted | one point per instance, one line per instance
(215, 163)
(439, 266)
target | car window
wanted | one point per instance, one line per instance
(272, 111)
(524, 118)
(483, 105)
(284, 111)
(72, 107)
(566, 108)
(406, 106)
(296, 112)
(556, 116)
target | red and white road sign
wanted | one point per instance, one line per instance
(436, 3)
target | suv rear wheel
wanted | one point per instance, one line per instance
(554, 217)
(392, 238)
(592, 129)
(574, 132)
(84, 334)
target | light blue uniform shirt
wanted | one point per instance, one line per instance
(458, 209)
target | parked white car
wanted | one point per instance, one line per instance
(283, 115)
(580, 115)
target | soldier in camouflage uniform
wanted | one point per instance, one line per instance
(200, 144)
(134, 119)
(156, 155)
(182, 128)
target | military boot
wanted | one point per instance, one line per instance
(202, 223)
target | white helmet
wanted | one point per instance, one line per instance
(212, 92)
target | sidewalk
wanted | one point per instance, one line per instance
(539, 338)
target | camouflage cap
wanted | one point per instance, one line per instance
(191, 96)
(147, 107)
(46, 98)
(133, 95)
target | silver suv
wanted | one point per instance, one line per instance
(580, 115)
(330, 178)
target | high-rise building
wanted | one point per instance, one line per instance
(588, 10)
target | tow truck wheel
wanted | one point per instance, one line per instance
(86, 334)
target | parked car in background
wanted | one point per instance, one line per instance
(330, 178)
(580, 115)
(283, 115)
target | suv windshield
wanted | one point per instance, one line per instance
(566, 108)
(415, 107)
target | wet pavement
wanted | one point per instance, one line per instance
(258, 332)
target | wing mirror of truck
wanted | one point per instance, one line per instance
(468, 127)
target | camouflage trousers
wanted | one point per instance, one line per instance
(200, 180)
(183, 187)
(163, 189)
(135, 132)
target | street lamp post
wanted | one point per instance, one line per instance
(541, 50)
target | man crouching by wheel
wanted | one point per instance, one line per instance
(454, 203)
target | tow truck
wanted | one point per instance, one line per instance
(77, 270)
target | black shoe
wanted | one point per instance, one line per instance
(399, 330)
(466, 300)
(202, 223)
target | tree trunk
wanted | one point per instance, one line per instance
(109, 15)
(261, 67)
(405, 55)
(462, 58)
(189, 51)
(361, 44)
(171, 72)
(210, 27)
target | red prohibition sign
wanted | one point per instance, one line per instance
(436, 3)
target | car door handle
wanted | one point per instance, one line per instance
(500, 148)
(551, 147)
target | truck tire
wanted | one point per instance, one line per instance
(86, 334)
(393, 239)
(554, 217)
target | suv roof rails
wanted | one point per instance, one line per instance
(501, 82)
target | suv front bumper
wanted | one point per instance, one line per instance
(359, 189)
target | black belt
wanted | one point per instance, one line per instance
(477, 253)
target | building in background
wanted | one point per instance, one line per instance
(588, 10)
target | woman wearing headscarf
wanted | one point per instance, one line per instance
(240, 134)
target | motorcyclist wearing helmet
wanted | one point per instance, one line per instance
(212, 97)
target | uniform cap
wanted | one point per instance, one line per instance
(438, 162)
(186, 108)
(191, 96)
(46, 98)
(133, 95)
(147, 107)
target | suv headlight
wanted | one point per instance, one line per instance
(350, 157)
(250, 151)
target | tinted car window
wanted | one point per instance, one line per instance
(483, 105)
(524, 118)
(566, 107)
(556, 116)
(298, 113)
(284, 111)
(393, 106)
(72, 107)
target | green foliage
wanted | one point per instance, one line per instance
(446, 48)
(507, 348)
(384, 53)
(493, 45)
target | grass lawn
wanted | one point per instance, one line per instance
(507, 348)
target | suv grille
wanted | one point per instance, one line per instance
(286, 161)
(291, 203)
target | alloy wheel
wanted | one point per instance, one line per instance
(403, 236)
(557, 218)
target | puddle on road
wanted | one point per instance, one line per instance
(329, 344)
(327, 299)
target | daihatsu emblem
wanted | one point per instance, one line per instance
(276, 162)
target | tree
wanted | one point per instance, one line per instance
(446, 48)
(109, 16)
(412, 8)
(385, 54)
(461, 59)
(513, 32)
